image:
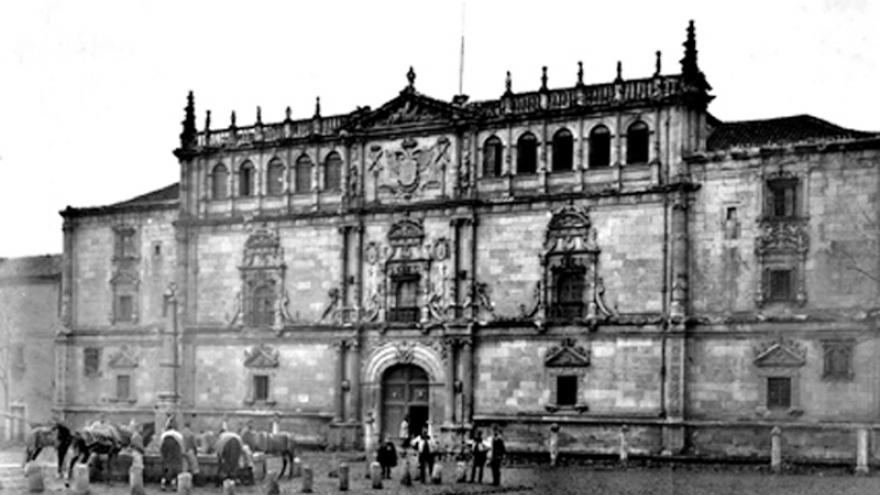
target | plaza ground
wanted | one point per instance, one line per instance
(521, 479)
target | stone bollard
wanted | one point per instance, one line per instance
(343, 477)
(34, 474)
(297, 467)
(184, 484)
(376, 475)
(228, 487)
(461, 472)
(406, 479)
(624, 448)
(136, 480)
(776, 449)
(308, 476)
(81, 479)
(862, 451)
(437, 473)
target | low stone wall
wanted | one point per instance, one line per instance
(153, 467)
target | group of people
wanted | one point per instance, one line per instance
(489, 450)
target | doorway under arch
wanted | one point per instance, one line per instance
(404, 394)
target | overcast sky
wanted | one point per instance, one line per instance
(92, 93)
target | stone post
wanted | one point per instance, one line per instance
(184, 484)
(437, 473)
(228, 487)
(297, 467)
(776, 449)
(406, 479)
(862, 451)
(376, 475)
(136, 480)
(81, 479)
(343, 477)
(460, 472)
(308, 477)
(34, 474)
(624, 448)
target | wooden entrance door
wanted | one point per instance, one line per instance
(404, 393)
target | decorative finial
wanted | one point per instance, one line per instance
(689, 62)
(411, 76)
(188, 135)
(317, 106)
(657, 63)
(207, 120)
(580, 73)
(619, 71)
(508, 83)
(232, 119)
(287, 113)
(259, 115)
(544, 77)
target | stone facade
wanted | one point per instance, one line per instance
(594, 256)
(30, 290)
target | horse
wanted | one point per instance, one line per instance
(280, 444)
(171, 450)
(230, 453)
(56, 435)
(96, 440)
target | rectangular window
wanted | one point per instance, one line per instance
(124, 307)
(123, 387)
(778, 392)
(782, 198)
(781, 286)
(406, 293)
(91, 361)
(125, 245)
(566, 390)
(569, 294)
(838, 360)
(261, 387)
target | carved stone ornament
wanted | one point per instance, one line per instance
(567, 355)
(371, 253)
(412, 166)
(263, 250)
(570, 228)
(405, 352)
(781, 353)
(782, 237)
(406, 233)
(261, 356)
(123, 358)
(441, 249)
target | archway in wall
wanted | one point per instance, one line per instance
(404, 393)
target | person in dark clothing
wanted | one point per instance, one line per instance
(498, 452)
(478, 457)
(387, 457)
(422, 445)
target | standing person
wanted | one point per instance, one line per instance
(403, 432)
(190, 451)
(422, 445)
(478, 457)
(553, 444)
(387, 457)
(498, 451)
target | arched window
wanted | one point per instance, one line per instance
(332, 172)
(219, 180)
(637, 143)
(527, 154)
(246, 176)
(275, 177)
(303, 174)
(563, 151)
(492, 155)
(263, 308)
(406, 298)
(600, 147)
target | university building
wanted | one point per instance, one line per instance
(594, 255)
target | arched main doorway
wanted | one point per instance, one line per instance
(404, 393)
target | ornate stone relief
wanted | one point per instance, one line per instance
(123, 358)
(261, 356)
(780, 353)
(262, 273)
(567, 355)
(404, 168)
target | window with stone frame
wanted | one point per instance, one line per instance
(569, 287)
(782, 198)
(262, 301)
(600, 147)
(406, 299)
(262, 307)
(124, 286)
(91, 362)
(778, 392)
(261, 388)
(567, 390)
(333, 172)
(780, 284)
(637, 143)
(303, 174)
(527, 154)
(275, 177)
(219, 182)
(838, 359)
(492, 157)
(261, 363)
(563, 151)
(125, 245)
(247, 175)
(123, 387)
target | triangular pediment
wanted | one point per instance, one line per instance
(567, 355)
(407, 109)
(780, 355)
(261, 356)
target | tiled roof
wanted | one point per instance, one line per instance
(45, 266)
(165, 194)
(779, 131)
